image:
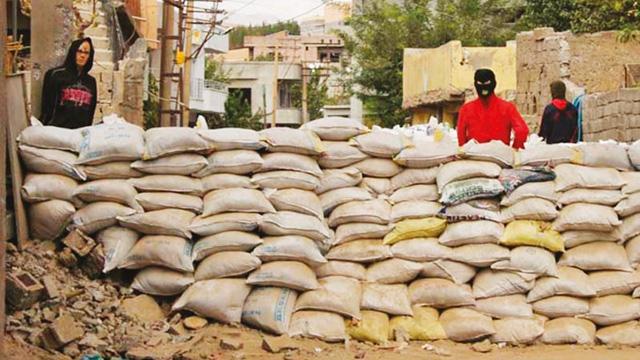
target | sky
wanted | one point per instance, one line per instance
(245, 12)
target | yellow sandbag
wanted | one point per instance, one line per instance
(430, 227)
(534, 233)
(374, 327)
(424, 324)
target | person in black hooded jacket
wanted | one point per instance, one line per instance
(69, 93)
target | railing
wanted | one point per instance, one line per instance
(197, 89)
(215, 85)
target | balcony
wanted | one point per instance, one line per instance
(208, 96)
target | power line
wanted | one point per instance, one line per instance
(308, 11)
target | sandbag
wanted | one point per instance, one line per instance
(320, 325)
(302, 201)
(236, 200)
(285, 180)
(420, 249)
(632, 182)
(164, 141)
(634, 154)
(97, 216)
(611, 155)
(569, 330)
(43, 187)
(583, 216)
(570, 281)
(179, 164)
(339, 155)
(480, 209)
(159, 281)
(628, 206)
(596, 256)
(490, 283)
(373, 327)
(219, 299)
(110, 141)
(508, 306)
(117, 242)
(464, 190)
(494, 151)
(462, 324)
(269, 309)
(415, 192)
(226, 264)
(426, 153)
(171, 252)
(409, 177)
(414, 209)
(630, 227)
(226, 181)
(389, 299)
(290, 162)
(118, 191)
(479, 255)
(471, 232)
(569, 176)
(291, 223)
(112, 170)
(292, 247)
(225, 241)
(381, 143)
(440, 293)
(355, 231)
(288, 274)
(457, 272)
(211, 225)
(48, 219)
(341, 268)
(335, 128)
(49, 161)
(561, 306)
(575, 238)
(546, 154)
(542, 190)
(613, 309)
(361, 251)
(626, 334)
(232, 139)
(331, 199)
(517, 331)
(375, 211)
(151, 201)
(282, 139)
(533, 233)
(338, 294)
(168, 183)
(529, 260)
(375, 167)
(465, 169)
(376, 186)
(632, 247)
(51, 137)
(415, 228)
(591, 196)
(173, 222)
(614, 282)
(393, 271)
(423, 325)
(532, 209)
(338, 178)
(239, 162)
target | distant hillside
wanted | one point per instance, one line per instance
(237, 34)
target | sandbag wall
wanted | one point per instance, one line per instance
(351, 232)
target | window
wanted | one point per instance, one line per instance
(289, 93)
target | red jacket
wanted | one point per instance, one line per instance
(492, 119)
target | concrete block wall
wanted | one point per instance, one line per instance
(612, 115)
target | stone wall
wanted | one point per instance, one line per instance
(612, 115)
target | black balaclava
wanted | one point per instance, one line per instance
(484, 82)
(558, 90)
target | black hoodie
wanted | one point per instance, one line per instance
(69, 97)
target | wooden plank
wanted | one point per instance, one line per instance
(17, 121)
(3, 177)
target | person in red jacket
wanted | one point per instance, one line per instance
(489, 117)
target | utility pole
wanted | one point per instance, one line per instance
(264, 106)
(305, 112)
(274, 104)
(186, 83)
(3, 177)
(166, 62)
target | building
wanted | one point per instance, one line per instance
(437, 82)
(334, 18)
(295, 48)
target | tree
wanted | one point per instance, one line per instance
(237, 113)
(548, 13)
(151, 106)
(213, 70)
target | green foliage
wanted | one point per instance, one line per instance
(237, 113)
(236, 37)
(213, 70)
(151, 106)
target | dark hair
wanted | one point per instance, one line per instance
(558, 90)
(70, 61)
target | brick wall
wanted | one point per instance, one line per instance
(612, 115)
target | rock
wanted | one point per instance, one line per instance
(401, 335)
(80, 305)
(94, 262)
(92, 341)
(177, 329)
(482, 347)
(437, 350)
(79, 243)
(278, 344)
(48, 314)
(23, 290)
(61, 332)
(360, 354)
(71, 350)
(67, 258)
(227, 343)
(51, 286)
(194, 322)
(142, 307)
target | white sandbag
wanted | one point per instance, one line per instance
(376, 186)
(375, 167)
(464, 190)
(632, 182)
(111, 170)
(151, 201)
(612, 155)
(472, 232)
(583, 216)
(426, 153)
(159, 281)
(48, 219)
(410, 177)
(335, 128)
(239, 162)
(285, 180)
(380, 143)
(440, 293)
(569, 176)
(341, 268)
(490, 283)
(375, 211)
(320, 325)
(561, 306)
(543, 154)
(225, 241)
(575, 238)
(414, 209)
(613, 309)
(289, 274)
(420, 249)
(232, 139)
(532, 209)
(481, 209)
(570, 281)
(117, 242)
(226, 181)
(465, 169)
(568, 330)
(415, 192)
(236, 200)
(630, 227)
(509, 306)
(529, 260)
(218, 299)
(179, 164)
(211, 225)
(393, 271)
(111, 141)
(349, 232)
(282, 139)
(51, 137)
(291, 223)
(338, 178)
(629, 206)
(118, 191)
(614, 282)
(632, 247)
(591, 196)
(361, 251)
(479, 255)
(171, 252)
(331, 199)
(543, 190)
(49, 161)
(226, 264)
(97, 216)
(164, 141)
(337, 294)
(390, 299)
(597, 255)
(457, 272)
(292, 247)
(517, 331)
(495, 151)
(290, 162)
(634, 154)
(269, 309)
(462, 324)
(302, 201)
(339, 155)
(626, 334)
(43, 187)
(168, 183)
(173, 222)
